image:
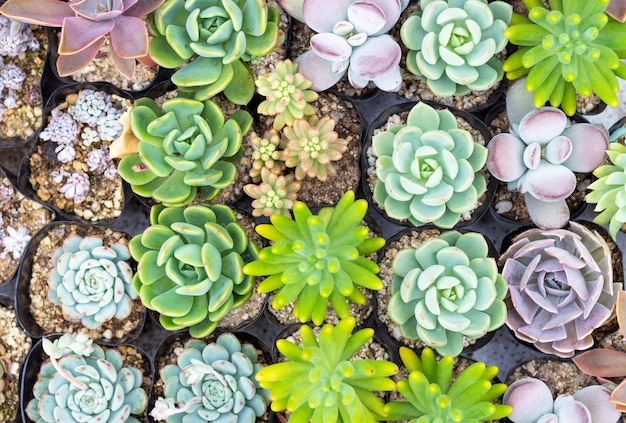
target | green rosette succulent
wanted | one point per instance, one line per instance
(572, 47)
(446, 289)
(212, 383)
(608, 191)
(91, 282)
(211, 40)
(317, 259)
(185, 147)
(86, 384)
(453, 44)
(432, 396)
(322, 382)
(428, 169)
(190, 266)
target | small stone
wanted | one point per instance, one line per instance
(107, 334)
(503, 206)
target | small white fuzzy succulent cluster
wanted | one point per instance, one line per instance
(13, 241)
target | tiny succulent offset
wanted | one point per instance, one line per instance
(571, 47)
(588, 405)
(322, 381)
(211, 40)
(16, 38)
(561, 287)
(275, 195)
(266, 153)
(351, 38)
(453, 44)
(190, 263)
(446, 289)
(82, 382)
(212, 382)
(317, 259)
(185, 147)
(84, 26)
(543, 146)
(432, 396)
(92, 282)
(428, 169)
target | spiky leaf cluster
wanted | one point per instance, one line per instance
(190, 266)
(319, 258)
(322, 382)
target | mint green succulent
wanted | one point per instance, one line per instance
(445, 289)
(453, 44)
(85, 384)
(322, 381)
(317, 259)
(432, 395)
(190, 263)
(212, 383)
(186, 148)
(428, 169)
(212, 40)
(92, 282)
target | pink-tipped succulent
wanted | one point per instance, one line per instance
(543, 146)
(266, 153)
(275, 194)
(351, 37)
(84, 26)
(560, 286)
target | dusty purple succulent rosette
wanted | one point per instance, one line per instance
(561, 286)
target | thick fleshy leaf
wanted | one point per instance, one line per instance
(377, 57)
(589, 143)
(129, 37)
(321, 15)
(322, 73)
(597, 400)
(558, 150)
(505, 157)
(79, 33)
(547, 215)
(562, 182)
(45, 12)
(331, 47)
(519, 102)
(366, 16)
(542, 125)
(71, 63)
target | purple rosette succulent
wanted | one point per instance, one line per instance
(561, 287)
(351, 37)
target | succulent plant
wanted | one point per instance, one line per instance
(5, 366)
(573, 47)
(315, 259)
(286, 93)
(82, 382)
(432, 396)
(91, 281)
(190, 266)
(184, 147)
(351, 37)
(446, 289)
(311, 147)
(453, 44)
(544, 145)
(212, 382)
(265, 154)
(617, 10)
(560, 286)
(607, 192)
(16, 38)
(428, 170)
(211, 39)
(275, 195)
(321, 382)
(588, 405)
(84, 26)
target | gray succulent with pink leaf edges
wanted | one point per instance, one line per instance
(543, 145)
(351, 37)
(561, 287)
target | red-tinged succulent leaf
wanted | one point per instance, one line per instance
(617, 10)
(331, 47)
(392, 10)
(125, 66)
(322, 15)
(293, 8)
(126, 38)
(43, 12)
(68, 64)
(589, 145)
(378, 56)
(505, 157)
(97, 11)
(618, 397)
(532, 155)
(558, 150)
(389, 81)
(141, 8)
(567, 409)
(542, 125)
(526, 391)
(620, 311)
(602, 362)
(550, 182)
(597, 400)
(366, 17)
(79, 33)
(322, 73)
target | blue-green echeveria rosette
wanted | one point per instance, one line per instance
(212, 382)
(453, 44)
(92, 281)
(446, 289)
(428, 169)
(190, 266)
(186, 148)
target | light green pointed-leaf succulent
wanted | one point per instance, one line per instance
(190, 266)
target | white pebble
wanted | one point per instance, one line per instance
(503, 206)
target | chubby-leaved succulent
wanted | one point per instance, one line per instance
(432, 396)
(317, 259)
(446, 289)
(190, 263)
(92, 282)
(453, 44)
(266, 152)
(276, 194)
(186, 147)
(321, 381)
(212, 382)
(428, 169)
